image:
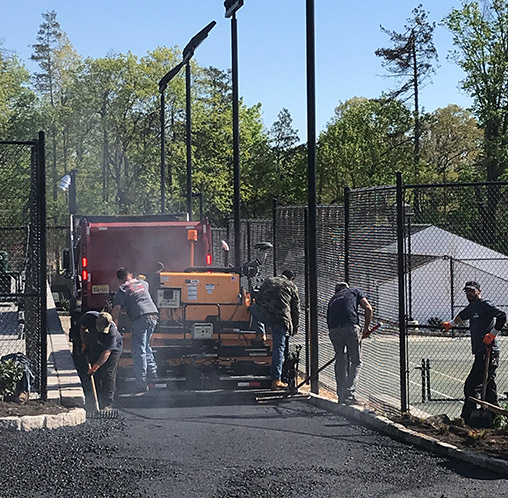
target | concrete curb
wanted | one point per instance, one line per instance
(384, 425)
(27, 423)
(64, 385)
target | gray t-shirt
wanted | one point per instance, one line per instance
(135, 298)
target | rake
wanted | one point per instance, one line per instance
(98, 413)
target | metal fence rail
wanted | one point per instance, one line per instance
(409, 248)
(23, 254)
(454, 233)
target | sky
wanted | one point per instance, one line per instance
(271, 45)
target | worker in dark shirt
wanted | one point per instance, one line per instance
(345, 334)
(103, 344)
(485, 323)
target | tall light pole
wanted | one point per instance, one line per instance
(188, 52)
(163, 83)
(231, 7)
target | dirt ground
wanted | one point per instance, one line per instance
(489, 442)
(32, 407)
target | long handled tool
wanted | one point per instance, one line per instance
(328, 363)
(480, 417)
(98, 413)
(294, 392)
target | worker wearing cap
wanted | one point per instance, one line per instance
(346, 335)
(103, 344)
(485, 323)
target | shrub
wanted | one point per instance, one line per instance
(10, 374)
(501, 421)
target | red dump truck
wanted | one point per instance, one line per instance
(205, 330)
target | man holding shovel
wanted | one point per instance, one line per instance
(485, 323)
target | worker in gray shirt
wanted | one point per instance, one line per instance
(134, 297)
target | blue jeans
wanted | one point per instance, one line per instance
(346, 342)
(279, 332)
(258, 324)
(142, 356)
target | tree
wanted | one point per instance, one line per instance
(411, 60)
(18, 115)
(56, 58)
(481, 41)
(365, 144)
(451, 145)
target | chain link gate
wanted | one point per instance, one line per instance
(23, 255)
(453, 233)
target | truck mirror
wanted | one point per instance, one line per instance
(66, 259)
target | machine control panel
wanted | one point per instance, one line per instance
(202, 330)
(169, 297)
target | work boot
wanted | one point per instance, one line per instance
(278, 385)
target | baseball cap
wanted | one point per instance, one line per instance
(103, 322)
(471, 284)
(341, 285)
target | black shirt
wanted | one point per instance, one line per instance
(343, 308)
(481, 315)
(98, 341)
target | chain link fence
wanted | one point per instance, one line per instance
(453, 234)
(410, 249)
(23, 255)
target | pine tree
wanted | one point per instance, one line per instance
(48, 42)
(411, 60)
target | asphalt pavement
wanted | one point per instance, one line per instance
(229, 446)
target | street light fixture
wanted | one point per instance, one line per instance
(68, 182)
(231, 8)
(188, 52)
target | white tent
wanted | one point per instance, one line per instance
(436, 286)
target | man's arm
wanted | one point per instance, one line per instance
(295, 310)
(115, 313)
(500, 317)
(83, 335)
(365, 305)
(103, 358)
(456, 322)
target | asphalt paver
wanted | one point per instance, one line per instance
(193, 449)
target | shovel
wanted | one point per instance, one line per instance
(480, 417)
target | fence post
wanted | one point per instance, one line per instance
(401, 291)
(347, 205)
(452, 290)
(41, 200)
(307, 315)
(248, 240)
(274, 232)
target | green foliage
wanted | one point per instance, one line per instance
(501, 421)
(451, 146)
(364, 145)
(10, 374)
(479, 35)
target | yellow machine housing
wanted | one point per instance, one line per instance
(202, 297)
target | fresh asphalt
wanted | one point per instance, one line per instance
(228, 445)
